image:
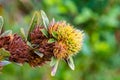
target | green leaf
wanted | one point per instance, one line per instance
(23, 34)
(4, 53)
(53, 22)
(53, 61)
(45, 32)
(45, 19)
(36, 19)
(35, 46)
(70, 62)
(29, 44)
(54, 68)
(1, 23)
(6, 33)
(38, 53)
(3, 63)
(51, 40)
(54, 34)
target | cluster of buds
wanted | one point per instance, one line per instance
(45, 41)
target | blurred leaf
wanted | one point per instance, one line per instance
(3, 63)
(6, 33)
(23, 34)
(38, 53)
(52, 22)
(54, 34)
(45, 19)
(45, 32)
(53, 61)
(70, 62)
(51, 40)
(29, 44)
(34, 22)
(54, 68)
(1, 23)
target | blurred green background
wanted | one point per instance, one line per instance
(99, 58)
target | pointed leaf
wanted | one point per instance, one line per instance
(44, 31)
(54, 68)
(1, 23)
(3, 63)
(52, 23)
(53, 61)
(45, 19)
(70, 62)
(54, 34)
(35, 21)
(6, 33)
(29, 44)
(23, 33)
(38, 53)
(35, 45)
(51, 40)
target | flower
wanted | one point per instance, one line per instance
(36, 36)
(5, 41)
(43, 51)
(69, 39)
(68, 42)
(19, 50)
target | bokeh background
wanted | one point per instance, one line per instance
(99, 58)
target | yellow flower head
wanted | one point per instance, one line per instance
(68, 37)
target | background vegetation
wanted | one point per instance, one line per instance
(100, 20)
